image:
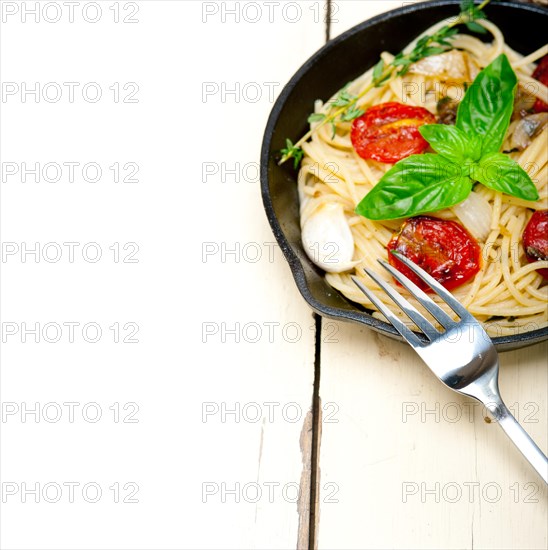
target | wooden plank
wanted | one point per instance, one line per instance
(223, 370)
(405, 447)
(410, 464)
(275, 451)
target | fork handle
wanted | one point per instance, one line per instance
(522, 440)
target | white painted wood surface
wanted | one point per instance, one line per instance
(278, 370)
(220, 330)
(405, 447)
(416, 465)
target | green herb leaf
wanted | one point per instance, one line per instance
(471, 12)
(444, 34)
(500, 172)
(377, 72)
(402, 61)
(382, 81)
(333, 129)
(343, 98)
(352, 113)
(450, 142)
(488, 104)
(417, 184)
(472, 26)
(432, 50)
(422, 41)
(290, 151)
(466, 5)
(316, 117)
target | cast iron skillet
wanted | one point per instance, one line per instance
(338, 62)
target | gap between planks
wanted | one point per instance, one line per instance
(316, 440)
(311, 542)
(314, 522)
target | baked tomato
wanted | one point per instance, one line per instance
(541, 74)
(443, 248)
(389, 132)
(535, 239)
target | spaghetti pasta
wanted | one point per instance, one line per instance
(508, 295)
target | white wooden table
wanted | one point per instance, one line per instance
(223, 374)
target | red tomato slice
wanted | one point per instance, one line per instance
(389, 132)
(443, 248)
(541, 74)
(535, 239)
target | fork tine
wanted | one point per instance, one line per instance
(444, 294)
(421, 296)
(406, 307)
(407, 334)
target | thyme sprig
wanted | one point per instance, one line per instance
(342, 99)
(343, 107)
(292, 151)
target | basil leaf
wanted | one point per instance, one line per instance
(417, 184)
(501, 173)
(450, 142)
(488, 104)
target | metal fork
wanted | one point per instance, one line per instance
(462, 355)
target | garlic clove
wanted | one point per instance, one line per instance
(327, 239)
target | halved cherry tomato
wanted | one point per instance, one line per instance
(535, 239)
(389, 132)
(541, 74)
(443, 248)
